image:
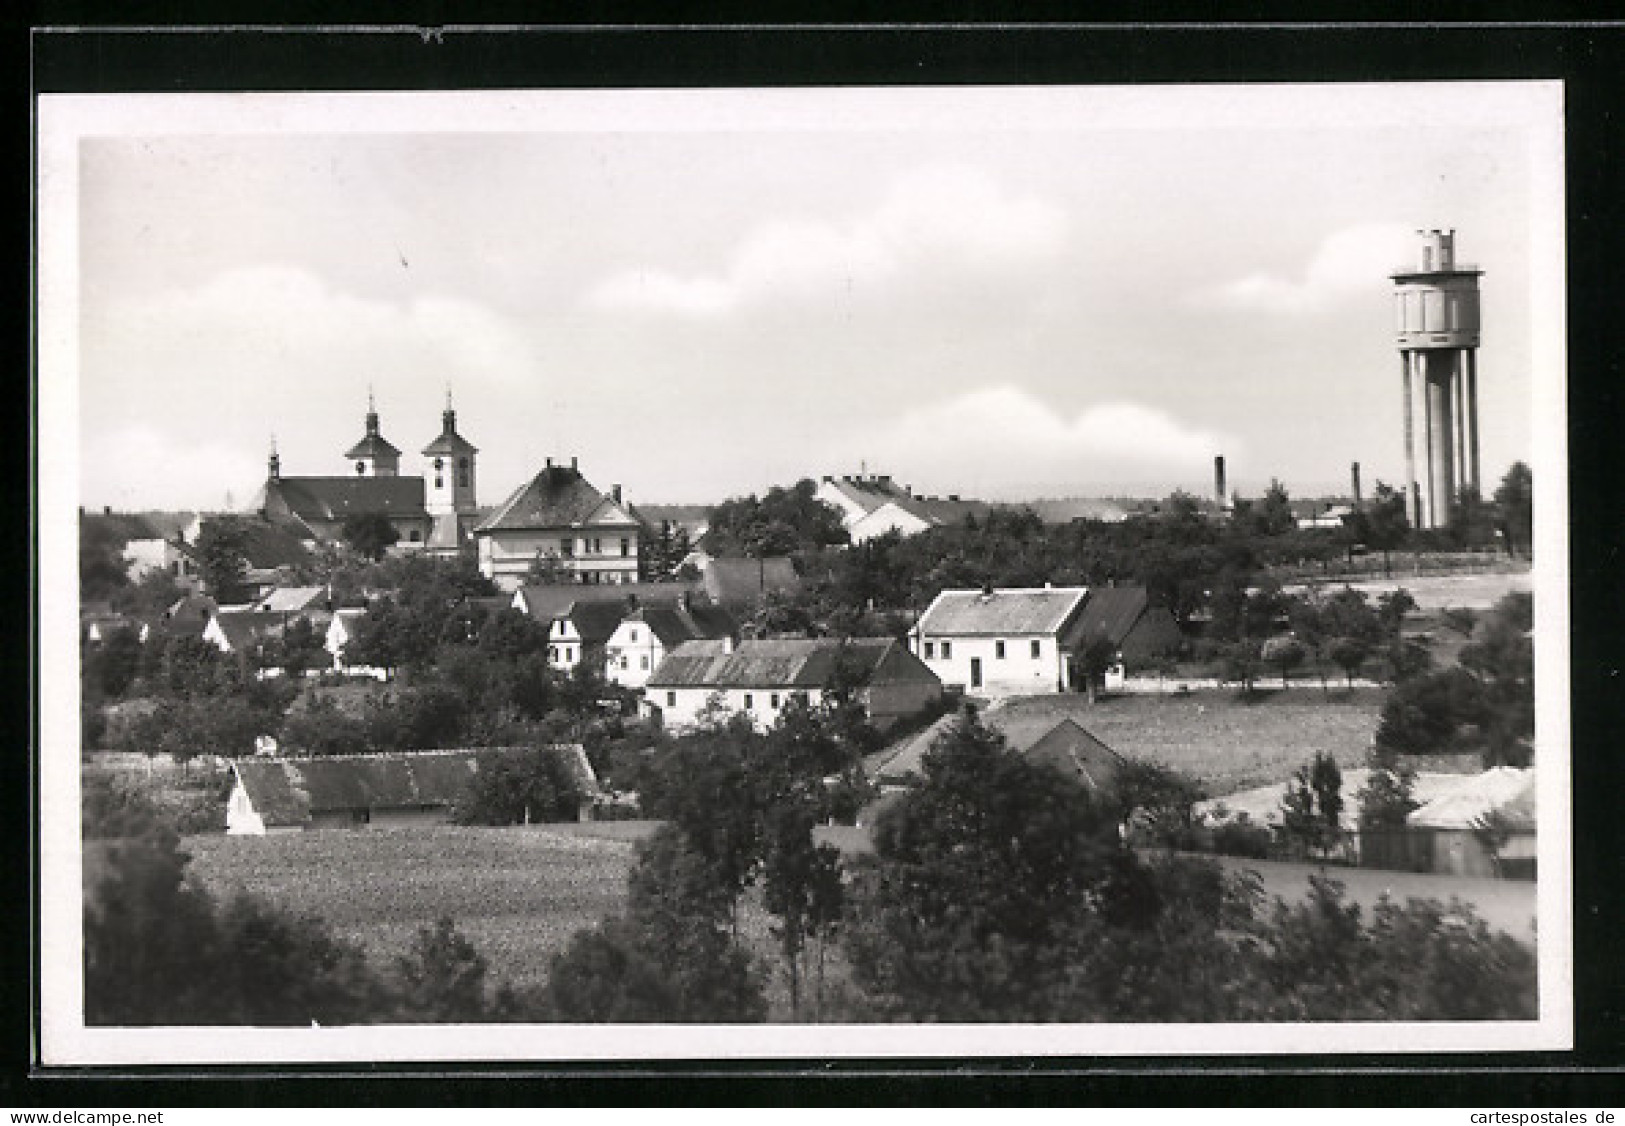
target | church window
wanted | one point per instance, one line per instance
(462, 478)
(360, 467)
(438, 464)
(438, 483)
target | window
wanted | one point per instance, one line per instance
(671, 699)
(462, 463)
(773, 700)
(947, 650)
(414, 536)
(626, 547)
(1037, 649)
(623, 660)
(750, 701)
(567, 546)
(643, 662)
(634, 635)
(930, 650)
(439, 483)
(553, 653)
(998, 650)
(462, 478)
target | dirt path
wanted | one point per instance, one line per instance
(1507, 905)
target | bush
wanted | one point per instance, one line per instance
(1243, 837)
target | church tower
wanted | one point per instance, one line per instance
(373, 456)
(449, 484)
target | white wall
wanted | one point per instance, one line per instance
(1018, 671)
(690, 702)
(632, 654)
(884, 519)
(505, 557)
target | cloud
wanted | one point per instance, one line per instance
(136, 467)
(943, 216)
(1350, 261)
(1003, 442)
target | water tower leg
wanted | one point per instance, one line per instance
(1409, 489)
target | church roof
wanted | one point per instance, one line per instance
(374, 446)
(557, 497)
(450, 442)
(338, 498)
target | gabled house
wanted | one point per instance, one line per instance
(288, 603)
(239, 629)
(546, 602)
(315, 508)
(1014, 640)
(579, 634)
(558, 516)
(273, 796)
(1482, 826)
(1059, 742)
(1025, 640)
(650, 630)
(759, 678)
(872, 505)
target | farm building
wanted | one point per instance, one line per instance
(758, 678)
(346, 791)
(1056, 741)
(1483, 826)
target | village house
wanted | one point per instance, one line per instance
(274, 796)
(558, 517)
(1001, 641)
(340, 631)
(650, 630)
(152, 540)
(758, 678)
(1025, 640)
(872, 505)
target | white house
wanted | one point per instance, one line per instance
(872, 505)
(759, 678)
(652, 629)
(1015, 640)
(558, 516)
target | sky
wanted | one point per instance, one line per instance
(1002, 293)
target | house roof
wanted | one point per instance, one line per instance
(129, 526)
(1044, 610)
(243, 627)
(1109, 612)
(333, 499)
(1058, 741)
(557, 497)
(289, 791)
(748, 580)
(1262, 805)
(549, 601)
(674, 623)
(872, 492)
(694, 517)
(293, 600)
(1504, 788)
(595, 621)
(796, 663)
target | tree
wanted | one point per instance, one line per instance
(104, 572)
(977, 873)
(518, 786)
(801, 887)
(222, 555)
(1240, 664)
(1285, 653)
(1312, 806)
(1385, 802)
(370, 534)
(443, 979)
(1384, 524)
(1349, 653)
(1092, 660)
(1515, 508)
(671, 957)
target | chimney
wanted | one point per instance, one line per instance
(550, 463)
(615, 493)
(107, 510)
(1218, 480)
(574, 465)
(1354, 473)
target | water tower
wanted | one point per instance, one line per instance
(1437, 305)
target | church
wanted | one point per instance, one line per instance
(435, 513)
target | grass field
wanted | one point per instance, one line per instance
(1228, 743)
(517, 893)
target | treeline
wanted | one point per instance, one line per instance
(998, 890)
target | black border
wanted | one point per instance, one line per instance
(427, 51)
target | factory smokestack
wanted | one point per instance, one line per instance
(1219, 493)
(1354, 473)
